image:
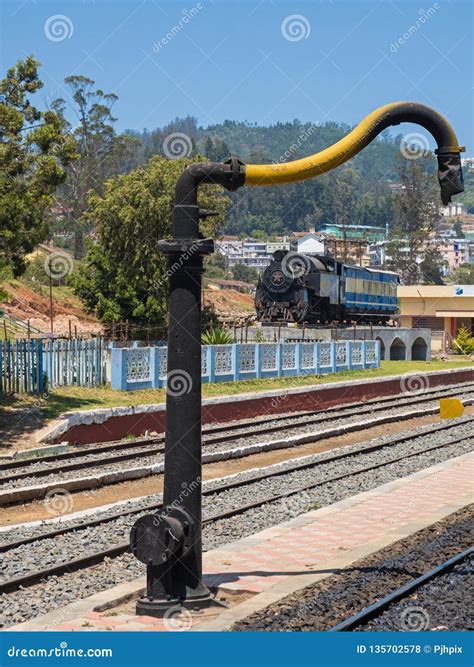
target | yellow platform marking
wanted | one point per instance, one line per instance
(450, 408)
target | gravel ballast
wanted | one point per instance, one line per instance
(294, 426)
(327, 603)
(26, 604)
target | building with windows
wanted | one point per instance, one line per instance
(455, 252)
(309, 243)
(453, 209)
(441, 308)
(362, 232)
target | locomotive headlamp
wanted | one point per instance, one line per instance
(170, 542)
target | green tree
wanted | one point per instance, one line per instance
(102, 153)
(431, 267)
(464, 342)
(464, 274)
(415, 216)
(34, 151)
(123, 276)
(215, 266)
(216, 150)
(457, 229)
(247, 274)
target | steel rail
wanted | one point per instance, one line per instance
(375, 609)
(348, 409)
(97, 557)
(96, 463)
(395, 440)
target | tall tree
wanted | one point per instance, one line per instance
(244, 273)
(431, 267)
(123, 276)
(102, 152)
(416, 212)
(34, 152)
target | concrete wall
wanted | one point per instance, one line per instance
(398, 343)
(107, 424)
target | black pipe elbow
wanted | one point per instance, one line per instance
(450, 176)
(229, 174)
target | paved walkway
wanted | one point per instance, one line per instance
(282, 559)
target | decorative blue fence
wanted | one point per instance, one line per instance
(21, 367)
(145, 367)
(29, 366)
(74, 362)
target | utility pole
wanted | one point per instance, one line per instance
(50, 298)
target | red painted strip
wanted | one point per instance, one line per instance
(316, 399)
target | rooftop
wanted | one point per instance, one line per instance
(436, 291)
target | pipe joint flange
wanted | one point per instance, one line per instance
(237, 173)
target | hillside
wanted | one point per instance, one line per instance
(359, 190)
(230, 303)
(26, 304)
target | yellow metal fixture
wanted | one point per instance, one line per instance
(354, 142)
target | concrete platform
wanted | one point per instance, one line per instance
(105, 424)
(261, 569)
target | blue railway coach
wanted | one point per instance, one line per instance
(369, 290)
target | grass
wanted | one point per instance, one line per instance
(66, 399)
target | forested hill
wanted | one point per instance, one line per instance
(356, 193)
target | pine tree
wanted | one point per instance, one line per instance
(464, 341)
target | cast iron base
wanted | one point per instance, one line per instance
(160, 608)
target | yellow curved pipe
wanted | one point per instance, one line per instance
(354, 142)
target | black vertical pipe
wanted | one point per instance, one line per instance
(182, 479)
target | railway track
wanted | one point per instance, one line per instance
(376, 609)
(262, 488)
(412, 584)
(97, 457)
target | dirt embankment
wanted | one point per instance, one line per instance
(230, 303)
(26, 304)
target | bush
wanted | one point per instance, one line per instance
(216, 337)
(464, 342)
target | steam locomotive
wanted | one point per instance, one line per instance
(317, 289)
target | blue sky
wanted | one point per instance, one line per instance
(253, 60)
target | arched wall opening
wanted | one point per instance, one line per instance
(419, 350)
(398, 350)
